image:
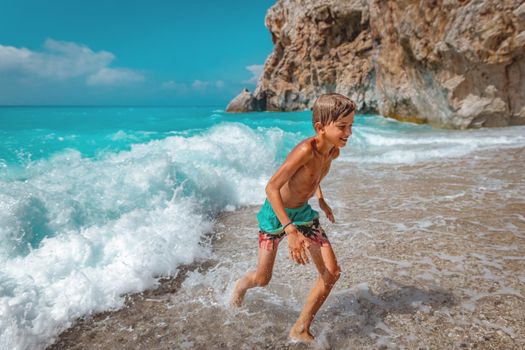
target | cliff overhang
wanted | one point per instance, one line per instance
(454, 64)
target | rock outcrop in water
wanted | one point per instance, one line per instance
(243, 102)
(451, 63)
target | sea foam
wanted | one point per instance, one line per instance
(77, 233)
(390, 142)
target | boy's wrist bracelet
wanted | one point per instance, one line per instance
(285, 226)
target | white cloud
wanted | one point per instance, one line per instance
(114, 76)
(196, 85)
(62, 60)
(173, 85)
(201, 85)
(12, 57)
(256, 70)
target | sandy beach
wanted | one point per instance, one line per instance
(433, 257)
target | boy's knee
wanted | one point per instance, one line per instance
(336, 273)
(262, 281)
(332, 275)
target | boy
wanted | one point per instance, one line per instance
(286, 211)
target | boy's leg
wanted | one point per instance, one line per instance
(326, 263)
(258, 278)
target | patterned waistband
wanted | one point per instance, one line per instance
(301, 226)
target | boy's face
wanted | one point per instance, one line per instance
(338, 132)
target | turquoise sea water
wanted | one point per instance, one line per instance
(32, 133)
(96, 202)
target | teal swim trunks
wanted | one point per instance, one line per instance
(269, 223)
(304, 218)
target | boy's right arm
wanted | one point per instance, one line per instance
(299, 156)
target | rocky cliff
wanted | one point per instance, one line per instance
(451, 63)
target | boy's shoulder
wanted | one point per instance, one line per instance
(304, 150)
(306, 147)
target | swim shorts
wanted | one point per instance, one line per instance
(304, 218)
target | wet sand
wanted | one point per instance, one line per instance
(433, 256)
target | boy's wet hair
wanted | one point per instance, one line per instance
(330, 107)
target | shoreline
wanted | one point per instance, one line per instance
(432, 254)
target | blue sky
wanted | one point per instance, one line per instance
(64, 52)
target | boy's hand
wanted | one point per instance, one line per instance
(327, 210)
(297, 245)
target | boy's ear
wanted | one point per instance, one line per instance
(318, 128)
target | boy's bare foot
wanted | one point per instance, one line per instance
(237, 296)
(297, 333)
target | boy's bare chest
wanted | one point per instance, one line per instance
(311, 174)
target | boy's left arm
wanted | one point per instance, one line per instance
(323, 205)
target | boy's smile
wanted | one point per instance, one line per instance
(338, 132)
